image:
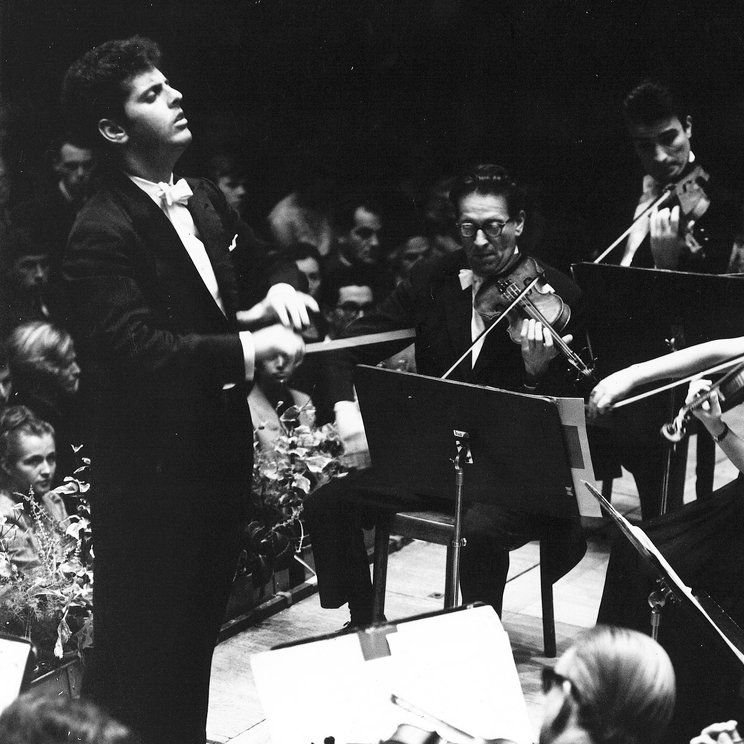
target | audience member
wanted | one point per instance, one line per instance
(49, 214)
(309, 263)
(35, 719)
(358, 223)
(6, 384)
(407, 255)
(45, 374)
(304, 215)
(25, 279)
(612, 686)
(230, 178)
(27, 466)
(347, 295)
(439, 218)
(273, 401)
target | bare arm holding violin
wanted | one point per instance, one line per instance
(710, 415)
(620, 384)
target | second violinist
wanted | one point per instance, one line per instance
(691, 230)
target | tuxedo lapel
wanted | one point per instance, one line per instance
(216, 241)
(151, 221)
(458, 305)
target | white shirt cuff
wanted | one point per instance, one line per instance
(249, 353)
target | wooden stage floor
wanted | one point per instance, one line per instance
(415, 585)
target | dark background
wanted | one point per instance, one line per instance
(398, 92)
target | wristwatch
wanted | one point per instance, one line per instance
(723, 434)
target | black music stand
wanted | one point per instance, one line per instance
(633, 314)
(417, 427)
(670, 586)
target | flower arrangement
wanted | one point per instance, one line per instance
(303, 457)
(51, 604)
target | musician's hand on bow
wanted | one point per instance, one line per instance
(718, 733)
(538, 348)
(610, 390)
(709, 411)
(283, 303)
(664, 233)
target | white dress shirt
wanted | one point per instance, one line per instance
(183, 223)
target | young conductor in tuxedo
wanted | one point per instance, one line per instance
(166, 368)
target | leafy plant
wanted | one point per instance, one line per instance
(52, 603)
(303, 458)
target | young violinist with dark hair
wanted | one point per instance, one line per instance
(438, 301)
(702, 542)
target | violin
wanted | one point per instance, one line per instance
(505, 294)
(693, 199)
(730, 390)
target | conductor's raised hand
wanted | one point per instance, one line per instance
(278, 339)
(537, 347)
(282, 303)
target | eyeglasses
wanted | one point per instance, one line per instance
(355, 308)
(491, 228)
(365, 233)
(551, 678)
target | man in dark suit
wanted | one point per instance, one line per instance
(437, 300)
(165, 373)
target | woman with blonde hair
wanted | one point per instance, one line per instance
(45, 378)
(612, 686)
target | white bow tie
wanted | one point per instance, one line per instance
(179, 193)
(468, 279)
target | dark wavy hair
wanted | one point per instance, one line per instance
(649, 102)
(487, 179)
(94, 86)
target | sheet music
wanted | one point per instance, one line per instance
(458, 666)
(573, 419)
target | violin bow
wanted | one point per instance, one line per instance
(664, 195)
(697, 375)
(488, 329)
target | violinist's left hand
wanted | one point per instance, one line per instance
(538, 348)
(664, 232)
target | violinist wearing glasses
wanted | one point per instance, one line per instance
(702, 541)
(439, 300)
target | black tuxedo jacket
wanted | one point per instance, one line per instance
(155, 349)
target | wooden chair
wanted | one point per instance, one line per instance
(438, 527)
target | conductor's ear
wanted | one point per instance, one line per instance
(113, 132)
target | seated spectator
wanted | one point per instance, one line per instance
(308, 262)
(304, 215)
(612, 686)
(273, 401)
(27, 466)
(24, 283)
(347, 296)
(407, 255)
(34, 719)
(439, 219)
(230, 178)
(49, 214)
(5, 382)
(357, 222)
(45, 375)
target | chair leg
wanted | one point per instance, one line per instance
(546, 594)
(379, 570)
